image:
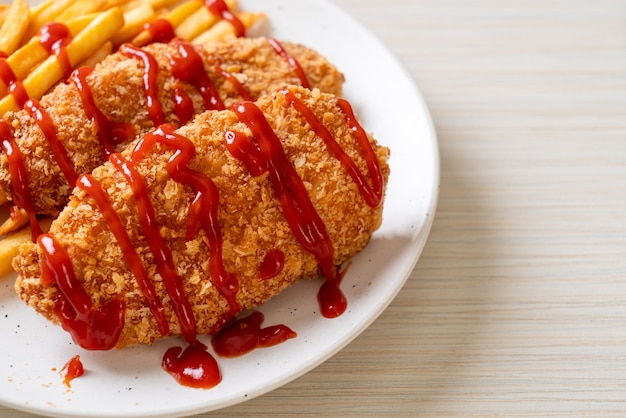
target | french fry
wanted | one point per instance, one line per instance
(224, 29)
(98, 55)
(99, 31)
(45, 13)
(4, 11)
(32, 53)
(15, 222)
(135, 20)
(10, 245)
(14, 26)
(175, 17)
(81, 8)
(199, 22)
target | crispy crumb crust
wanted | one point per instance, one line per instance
(251, 219)
(118, 91)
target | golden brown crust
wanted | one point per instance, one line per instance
(251, 219)
(117, 86)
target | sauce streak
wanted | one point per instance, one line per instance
(72, 370)
(246, 334)
(19, 177)
(161, 30)
(295, 65)
(92, 327)
(109, 133)
(54, 37)
(45, 123)
(88, 184)
(151, 73)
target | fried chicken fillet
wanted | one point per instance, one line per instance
(118, 88)
(251, 218)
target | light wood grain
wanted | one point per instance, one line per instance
(518, 304)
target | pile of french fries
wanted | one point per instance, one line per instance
(97, 28)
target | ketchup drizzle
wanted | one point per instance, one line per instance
(161, 252)
(189, 68)
(54, 37)
(109, 133)
(220, 8)
(151, 73)
(295, 65)
(19, 177)
(243, 92)
(373, 195)
(204, 207)
(272, 264)
(45, 123)
(93, 328)
(88, 184)
(301, 216)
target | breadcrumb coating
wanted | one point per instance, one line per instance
(250, 216)
(117, 86)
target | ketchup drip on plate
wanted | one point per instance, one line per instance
(72, 370)
(161, 30)
(246, 334)
(194, 367)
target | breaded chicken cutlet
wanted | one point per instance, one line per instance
(291, 181)
(100, 111)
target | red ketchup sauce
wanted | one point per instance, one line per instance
(19, 177)
(91, 327)
(161, 30)
(246, 334)
(109, 133)
(304, 221)
(49, 130)
(72, 370)
(220, 8)
(295, 65)
(54, 37)
(194, 367)
(272, 264)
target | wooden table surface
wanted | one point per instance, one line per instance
(517, 306)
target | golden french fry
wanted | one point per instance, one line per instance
(175, 17)
(135, 20)
(14, 26)
(81, 8)
(10, 245)
(15, 222)
(200, 21)
(4, 11)
(45, 13)
(32, 54)
(98, 55)
(99, 31)
(224, 29)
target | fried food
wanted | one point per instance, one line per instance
(126, 105)
(292, 174)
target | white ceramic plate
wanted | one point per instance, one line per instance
(131, 383)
